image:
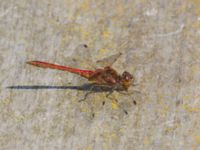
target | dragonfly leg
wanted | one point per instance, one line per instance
(88, 93)
(109, 93)
(85, 96)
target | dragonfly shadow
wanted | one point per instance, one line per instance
(84, 87)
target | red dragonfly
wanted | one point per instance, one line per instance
(106, 76)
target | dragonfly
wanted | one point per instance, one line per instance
(106, 76)
(102, 77)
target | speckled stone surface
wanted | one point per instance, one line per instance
(160, 42)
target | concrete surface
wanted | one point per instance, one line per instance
(160, 42)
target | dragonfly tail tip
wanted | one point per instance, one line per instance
(31, 62)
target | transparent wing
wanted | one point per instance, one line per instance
(109, 61)
(80, 58)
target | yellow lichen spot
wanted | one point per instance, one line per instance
(88, 148)
(198, 97)
(113, 135)
(197, 139)
(196, 25)
(18, 118)
(195, 69)
(146, 141)
(143, 1)
(191, 109)
(106, 34)
(85, 5)
(85, 34)
(102, 51)
(164, 110)
(6, 101)
(172, 128)
(186, 97)
(109, 135)
(160, 96)
(84, 110)
(114, 105)
(121, 130)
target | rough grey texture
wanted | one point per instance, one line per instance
(160, 42)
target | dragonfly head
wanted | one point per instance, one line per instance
(127, 80)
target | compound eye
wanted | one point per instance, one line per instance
(127, 76)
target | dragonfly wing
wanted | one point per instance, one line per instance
(81, 57)
(109, 61)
